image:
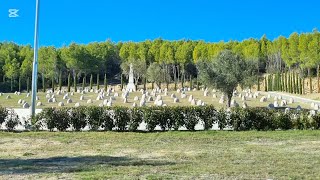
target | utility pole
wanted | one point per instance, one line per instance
(35, 63)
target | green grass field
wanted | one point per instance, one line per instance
(198, 95)
(167, 155)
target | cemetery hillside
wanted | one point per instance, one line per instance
(162, 109)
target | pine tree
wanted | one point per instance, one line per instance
(191, 85)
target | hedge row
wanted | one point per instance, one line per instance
(168, 118)
(173, 118)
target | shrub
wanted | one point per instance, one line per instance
(151, 118)
(283, 120)
(62, 119)
(107, 121)
(78, 118)
(94, 115)
(12, 120)
(47, 117)
(121, 117)
(191, 118)
(223, 119)
(177, 118)
(207, 114)
(136, 117)
(3, 114)
(164, 118)
(316, 121)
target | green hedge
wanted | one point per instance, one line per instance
(168, 118)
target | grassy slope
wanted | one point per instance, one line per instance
(182, 155)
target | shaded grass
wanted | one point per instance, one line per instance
(167, 155)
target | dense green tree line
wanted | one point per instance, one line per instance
(157, 61)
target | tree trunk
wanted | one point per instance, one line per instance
(75, 83)
(229, 99)
(178, 73)
(91, 81)
(43, 84)
(28, 84)
(83, 82)
(19, 84)
(318, 78)
(145, 83)
(69, 82)
(98, 82)
(310, 80)
(52, 84)
(174, 76)
(60, 80)
(105, 82)
(121, 78)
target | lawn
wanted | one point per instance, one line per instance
(162, 155)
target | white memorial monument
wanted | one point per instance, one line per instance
(131, 87)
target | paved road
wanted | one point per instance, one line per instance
(286, 96)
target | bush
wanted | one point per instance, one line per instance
(177, 118)
(151, 118)
(62, 119)
(283, 121)
(12, 120)
(191, 118)
(3, 114)
(207, 114)
(94, 115)
(78, 118)
(136, 117)
(121, 118)
(107, 121)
